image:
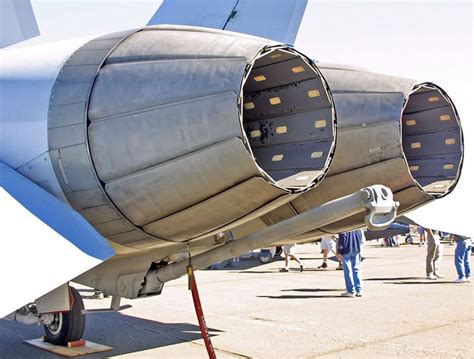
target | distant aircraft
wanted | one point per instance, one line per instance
(126, 157)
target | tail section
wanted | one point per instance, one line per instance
(18, 22)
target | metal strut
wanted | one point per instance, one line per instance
(376, 200)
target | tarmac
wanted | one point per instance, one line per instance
(253, 310)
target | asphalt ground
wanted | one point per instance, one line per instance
(254, 310)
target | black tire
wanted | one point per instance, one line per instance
(278, 251)
(409, 239)
(69, 326)
(265, 256)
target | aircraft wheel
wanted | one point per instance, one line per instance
(69, 326)
(409, 239)
(265, 256)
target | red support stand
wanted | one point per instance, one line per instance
(199, 313)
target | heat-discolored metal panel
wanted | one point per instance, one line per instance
(134, 141)
(346, 80)
(115, 226)
(180, 42)
(386, 172)
(366, 109)
(366, 145)
(87, 198)
(212, 170)
(136, 86)
(164, 114)
(67, 137)
(216, 211)
(100, 214)
(74, 168)
(280, 214)
(132, 236)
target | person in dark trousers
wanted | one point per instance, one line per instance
(348, 246)
(462, 258)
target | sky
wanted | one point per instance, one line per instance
(424, 40)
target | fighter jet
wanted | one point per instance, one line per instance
(127, 157)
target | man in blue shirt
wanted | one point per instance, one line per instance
(349, 247)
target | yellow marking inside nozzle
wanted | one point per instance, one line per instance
(433, 99)
(277, 158)
(414, 168)
(320, 123)
(255, 133)
(314, 93)
(450, 141)
(276, 55)
(275, 100)
(259, 78)
(416, 145)
(445, 117)
(410, 122)
(448, 166)
(297, 69)
(317, 154)
(249, 105)
(281, 129)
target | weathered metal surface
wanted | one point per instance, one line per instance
(150, 131)
(212, 171)
(68, 142)
(390, 131)
(217, 211)
(129, 143)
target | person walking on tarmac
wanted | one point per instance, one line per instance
(348, 246)
(289, 252)
(328, 244)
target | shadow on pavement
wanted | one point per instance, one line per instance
(125, 333)
(313, 290)
(392, 278)
(408, 280)
(423, 282)
(300, 296)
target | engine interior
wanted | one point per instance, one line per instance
(288, 118)
(432, 139)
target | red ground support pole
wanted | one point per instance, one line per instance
(199, 313)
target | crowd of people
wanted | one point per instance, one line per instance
(348, 247)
